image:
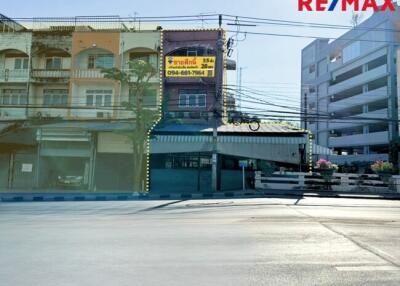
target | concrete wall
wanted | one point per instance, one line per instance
(17, 41)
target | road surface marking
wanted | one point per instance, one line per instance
(367, 268)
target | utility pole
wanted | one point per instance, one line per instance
(217, 104)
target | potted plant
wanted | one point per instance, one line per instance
(383, 169)
(326, 169)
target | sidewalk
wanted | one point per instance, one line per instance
(85, 196)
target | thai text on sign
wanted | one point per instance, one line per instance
(190, 66)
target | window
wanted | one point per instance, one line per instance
(14, 97)
(352, 51)
(99, 97)
(100, 61)
(148, 58)
(55, 97)
(149, 99)
(192, 98)
(53, 63)
(311, 69)
(193, 52)
(21, 63)
(182, 161)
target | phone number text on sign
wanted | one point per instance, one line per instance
(190, 67)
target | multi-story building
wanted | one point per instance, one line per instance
(191, 98)
(64, 124)
(59, 115)
(349, 90)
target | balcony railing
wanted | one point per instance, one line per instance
(379, 115)
(154, 79)
(45, 73)
(8, 75)
(12, 113)
(88, 73)
(378, 138)
(357, 80)
(364, 98)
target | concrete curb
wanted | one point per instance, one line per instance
(57, 197)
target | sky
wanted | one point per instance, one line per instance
(270, 63)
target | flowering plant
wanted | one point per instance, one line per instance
(326, 165)
(382, 167)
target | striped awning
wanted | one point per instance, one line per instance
(320, 150)
(229, 139)
(279, 149)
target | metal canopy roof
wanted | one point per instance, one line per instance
(232, 129)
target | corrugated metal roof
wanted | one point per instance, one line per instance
(233, 129)
(264, 128)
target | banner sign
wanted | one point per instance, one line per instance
(190, 66)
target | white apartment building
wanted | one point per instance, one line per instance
(349, 90)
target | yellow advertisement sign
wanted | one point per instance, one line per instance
(190, 66)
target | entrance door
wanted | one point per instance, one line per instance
(24, 171)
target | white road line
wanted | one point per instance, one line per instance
(367, 268)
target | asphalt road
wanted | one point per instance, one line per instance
(284, 241)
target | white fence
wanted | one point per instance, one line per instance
(339, 182)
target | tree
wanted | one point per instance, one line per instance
(137, 78)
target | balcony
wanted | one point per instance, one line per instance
(88, 73)
(154, 79)
(10, 113)
(348, 123)
(380, 93)
(8, 75)
(359, 79)
(40, 74)
(48, 112)
(92, 113)
(378, 138)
